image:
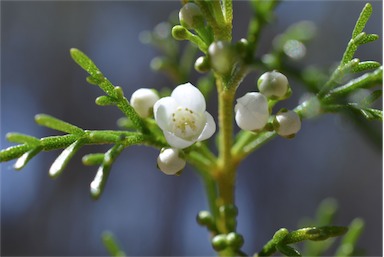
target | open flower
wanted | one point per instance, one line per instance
(183, 118)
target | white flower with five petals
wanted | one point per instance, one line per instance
(183, 118)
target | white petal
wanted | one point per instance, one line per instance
(189, 96)
(163, 110)
(209, 129)
(177, 142)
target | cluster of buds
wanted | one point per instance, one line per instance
(253, 110)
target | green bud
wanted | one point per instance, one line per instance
(235, 240)
(202, 64)
(222, 57)
(180, 33)
(190, 16)
(219, 242)
(242, 47)
(273, 85)
(204, 218)
(228, 210)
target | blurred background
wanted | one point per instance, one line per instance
(150, 213)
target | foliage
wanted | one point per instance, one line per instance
(208, 28)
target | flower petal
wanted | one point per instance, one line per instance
(189, 96)
(177, 142)
(209, 129)
(163, 110)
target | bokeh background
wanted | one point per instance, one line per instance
(150, 213)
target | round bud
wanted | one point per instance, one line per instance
(252, 111)
(219, 242)
(242, 47)
(180, 33)
(222, 57)
(190, 16)
(204, 218)
(228, 210)
(287, 123)
(273, 84)
(142, 100)
(235, 240)
(202, 64)
(170, 161)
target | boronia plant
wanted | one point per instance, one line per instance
(180, 127)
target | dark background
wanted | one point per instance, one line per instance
(150, 213)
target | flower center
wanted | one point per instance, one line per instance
(186, 123)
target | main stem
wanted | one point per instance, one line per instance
(226, 169)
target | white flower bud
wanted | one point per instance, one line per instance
(287, 123)
(170, 162)
(252, 111)
(142, 100)
(190, 16)
(222, 57)
(273, 84)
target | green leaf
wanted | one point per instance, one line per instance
(372, 114)
(105, 100)
(86, 63)
(348, 242)
(368, 65)
(314, 234)
(62, 160)
(368, 38)
(22, 139)
(111, 244)
(363, 19)
(93, 159)
(366, 80)
(56, 124)
(287, 250)
(13, 152)
(98, 183)
(97, 77)
(369, 100)
(26, 157)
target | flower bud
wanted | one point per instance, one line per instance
(235, 240)
(142, 100)
(222, 56)
(252, 111)
(190, 16)
(219, 242)
(287, 123)
(170, 161)
(180, 33)
(202, 64)
(273, 84)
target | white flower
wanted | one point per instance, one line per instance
(183, 118)
(287, 123)
(142, 100)
(252, 111)
(170, 162)
(273, 84)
